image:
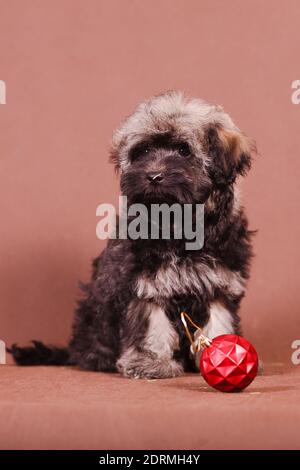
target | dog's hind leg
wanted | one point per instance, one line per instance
(95, 341)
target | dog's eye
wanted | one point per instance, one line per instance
(139, 152)
(184, 150)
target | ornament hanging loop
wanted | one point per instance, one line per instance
(201, 341)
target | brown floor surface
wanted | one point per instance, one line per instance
(64, 408)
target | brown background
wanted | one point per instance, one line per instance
(73, 70)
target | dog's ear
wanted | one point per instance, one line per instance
(114, 157)
(230, 153)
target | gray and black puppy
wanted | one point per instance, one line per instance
(172, 149)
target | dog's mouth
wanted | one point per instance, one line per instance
(150, 198)
(159, 194)
(166, 196)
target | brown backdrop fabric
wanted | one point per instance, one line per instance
(73, 70)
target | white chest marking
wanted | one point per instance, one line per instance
(184, 278)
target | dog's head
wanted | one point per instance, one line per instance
(175, 149)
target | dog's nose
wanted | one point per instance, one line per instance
(155, 177)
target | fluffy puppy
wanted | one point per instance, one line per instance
(172, 149)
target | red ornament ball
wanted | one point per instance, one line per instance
(229, 364)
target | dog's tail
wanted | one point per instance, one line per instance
(40, 355)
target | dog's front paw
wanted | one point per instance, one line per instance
(147, 367)
(160, 369)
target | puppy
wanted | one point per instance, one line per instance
(172, 149)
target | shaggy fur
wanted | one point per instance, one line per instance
(171, 149)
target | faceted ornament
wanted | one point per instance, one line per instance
(229, 364)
